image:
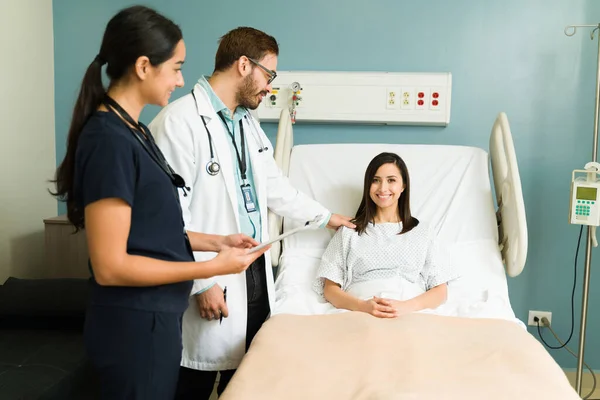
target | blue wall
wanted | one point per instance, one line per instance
(507, 56)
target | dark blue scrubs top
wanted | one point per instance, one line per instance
(111, 163)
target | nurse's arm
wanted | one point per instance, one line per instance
(207, 242)
(107, 225)
(204, 241)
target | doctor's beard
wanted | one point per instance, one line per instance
(248, 94)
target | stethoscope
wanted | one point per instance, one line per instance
(213, 167)
(152, 150)
(156, 155)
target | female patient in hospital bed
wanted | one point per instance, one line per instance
(390, 264)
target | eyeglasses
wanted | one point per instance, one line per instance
(272, 74)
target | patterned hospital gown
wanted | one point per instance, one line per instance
(380, 254)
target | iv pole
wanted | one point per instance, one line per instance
(570, 31)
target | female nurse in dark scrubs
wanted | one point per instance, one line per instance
(119, 188)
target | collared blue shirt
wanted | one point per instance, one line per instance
(250, 223)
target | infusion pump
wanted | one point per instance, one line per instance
(585, 199)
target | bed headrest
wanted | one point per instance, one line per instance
(450, 187)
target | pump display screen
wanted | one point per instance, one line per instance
(586, 193)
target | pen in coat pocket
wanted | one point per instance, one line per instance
(225, 300)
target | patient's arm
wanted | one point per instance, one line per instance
(377, 307)
(432, 298)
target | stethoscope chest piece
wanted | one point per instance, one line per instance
(213, 168)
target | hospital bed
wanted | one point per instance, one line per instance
(472, 347)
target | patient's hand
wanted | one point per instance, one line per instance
(402, 307)
(378, 307)
(431, 299)
(211, 303)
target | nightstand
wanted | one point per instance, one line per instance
(66, 252)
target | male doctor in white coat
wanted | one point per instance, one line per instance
(210, 138)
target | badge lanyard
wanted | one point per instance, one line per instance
(242, 164)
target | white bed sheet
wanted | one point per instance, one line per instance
(450, 191)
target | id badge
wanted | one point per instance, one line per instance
(248, 199)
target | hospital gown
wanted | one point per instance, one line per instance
(379, 262)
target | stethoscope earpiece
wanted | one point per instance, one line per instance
(262, 146)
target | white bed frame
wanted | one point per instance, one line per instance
(510, 215)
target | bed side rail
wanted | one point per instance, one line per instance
(281, 153)
(510, 215)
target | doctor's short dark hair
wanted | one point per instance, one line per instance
(243, 41)
(368, 209)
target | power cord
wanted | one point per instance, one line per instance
(572, 304)
(547, 325)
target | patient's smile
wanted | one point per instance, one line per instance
(385, 200)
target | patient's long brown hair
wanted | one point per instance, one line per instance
(368, 209)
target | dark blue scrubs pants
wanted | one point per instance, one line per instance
(136, 353)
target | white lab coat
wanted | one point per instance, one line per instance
(212, 207)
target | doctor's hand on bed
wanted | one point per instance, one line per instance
(337, 220)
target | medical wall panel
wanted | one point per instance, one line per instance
(389, 98)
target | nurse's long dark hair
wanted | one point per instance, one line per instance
(368, 209)
(132, 33)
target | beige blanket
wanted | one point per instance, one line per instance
(420, 356)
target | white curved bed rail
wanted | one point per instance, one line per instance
(281, 153)
(512, 223)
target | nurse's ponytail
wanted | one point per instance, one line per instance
(132, 33)
(89, 99)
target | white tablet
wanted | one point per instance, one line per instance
(280, 237)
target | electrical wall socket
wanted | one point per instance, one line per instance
(407, 99)
(539, 314)
(392, 98)
(422, 98)
(435, 102)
